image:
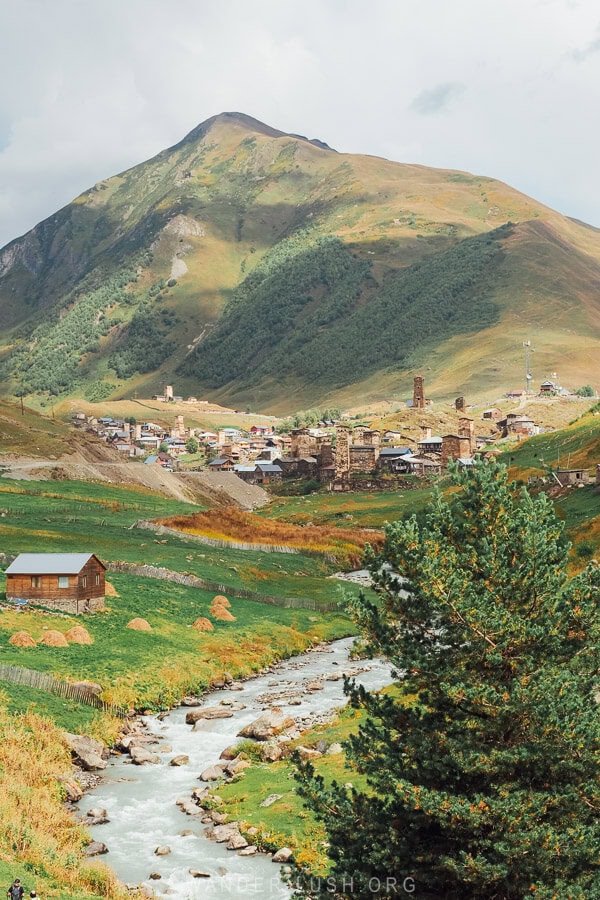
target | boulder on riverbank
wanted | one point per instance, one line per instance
(95, 816)
(96, 848)
(87, 753)
(267, 726)
(208, 712)
(141, 756)
(213, 773)
(181, 760)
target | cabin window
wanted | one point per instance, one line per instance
(97, 579)
(84, 581)
(63, 581)
(36, 581)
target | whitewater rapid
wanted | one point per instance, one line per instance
(141, 800)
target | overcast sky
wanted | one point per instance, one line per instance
(506, 88)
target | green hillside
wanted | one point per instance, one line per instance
(263, 269)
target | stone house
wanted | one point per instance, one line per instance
(221, 464)
(572, 476)
(518, 423)
(493, 413)
(69, 582)
(429, 443)
(390, 459)
(455, 446)
(267, 473)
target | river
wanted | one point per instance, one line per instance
(140, 800)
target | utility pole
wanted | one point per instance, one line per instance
(528, 375)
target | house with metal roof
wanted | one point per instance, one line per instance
(265, 473)
(68, 582)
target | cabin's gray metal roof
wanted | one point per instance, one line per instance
(48, 563)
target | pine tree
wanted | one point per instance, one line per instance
(486, 786)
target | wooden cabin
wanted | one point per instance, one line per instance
(69, 582)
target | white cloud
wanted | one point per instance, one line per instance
(437, 99)
(508, 90)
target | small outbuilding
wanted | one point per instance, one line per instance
(69, 582)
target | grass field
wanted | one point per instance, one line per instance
(287, 822)
(77, 516)
(154, 669)
(46, 887)
(345, 510)
(67, 714)
(146, 669)
(138, 668)
(575, 446)
(30, 434)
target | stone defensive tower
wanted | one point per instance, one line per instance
(343, 440)
(419, 392)
(466, 428)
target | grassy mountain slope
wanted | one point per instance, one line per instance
(264, 269)
(25, 432)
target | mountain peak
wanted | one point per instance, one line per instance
(250, 124)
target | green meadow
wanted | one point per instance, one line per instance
(79, 516)
(366, 510)
(154, 668)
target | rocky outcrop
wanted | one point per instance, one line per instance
(87, 752)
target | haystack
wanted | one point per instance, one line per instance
(54, 639)
(21, 639)
(222, 614)
(139, 625)
(220, 600)
(109, 590)
(203, 624)
(79, 635)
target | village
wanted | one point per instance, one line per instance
(334, 455)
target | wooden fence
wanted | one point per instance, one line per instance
(44, 682)
(205, 584)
